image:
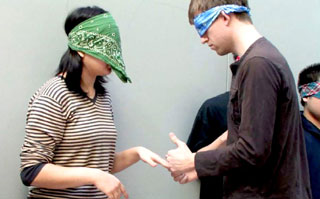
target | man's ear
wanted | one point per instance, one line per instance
(81, 54)
(226, 18)
(305, 99)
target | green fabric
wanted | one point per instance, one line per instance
(99, 37)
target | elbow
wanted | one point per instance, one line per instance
(28, 174)
(26, 181)
(254, 156)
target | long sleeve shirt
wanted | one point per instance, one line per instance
(312, 138)
(265, 156)
(69, 130)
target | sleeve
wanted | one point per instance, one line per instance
(259, 86)
(44, 130)
(28, 174)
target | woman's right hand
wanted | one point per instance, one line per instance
(110, 185)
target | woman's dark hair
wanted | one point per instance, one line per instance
(307, 75)
(71, 62)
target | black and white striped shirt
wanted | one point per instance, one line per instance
(66, 129)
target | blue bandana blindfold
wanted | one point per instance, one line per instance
(203, 21)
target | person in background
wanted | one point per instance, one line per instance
(70, 141)
(309, 89)
(209, 124)
(262, 155)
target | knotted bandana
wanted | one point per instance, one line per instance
(99, 37)
(203, 21)
(311, 89)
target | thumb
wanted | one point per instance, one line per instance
(175, 140)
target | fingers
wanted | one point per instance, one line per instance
(152, 158)
(184, 179)
(110, 185)
(175, 140)
(175, 174)
(123, 191)
(154, 161)
(117, 193)
(161, 161)
(179, 177)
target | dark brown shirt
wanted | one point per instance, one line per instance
(265, 156)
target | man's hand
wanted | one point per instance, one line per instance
(184, 178)
(181, 161)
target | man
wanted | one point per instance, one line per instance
(309, 89)
(209, 124)
(264, 155)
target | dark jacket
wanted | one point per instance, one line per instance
(312, 138)
(209, 124)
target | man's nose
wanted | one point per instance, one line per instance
(204, 39)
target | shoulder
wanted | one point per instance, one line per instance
(215, 105)
(54, 89)
(105, 97)
(264, 54)
(217, 101)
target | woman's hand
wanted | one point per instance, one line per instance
(110, 185)
(151, 158)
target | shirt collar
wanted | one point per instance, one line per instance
(235, 66)
(308, 126)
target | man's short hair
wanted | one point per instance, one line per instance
(198, 6)
(307, 75)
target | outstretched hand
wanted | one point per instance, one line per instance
(151, 158)
(181, 161)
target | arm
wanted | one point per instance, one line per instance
(130, 156)
(210, 122)
(44, 130)
(258, 91)
(185, 172)
(253, 145)
(56, 177)
(219, 142)
(182, 160)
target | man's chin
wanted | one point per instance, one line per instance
(221, 53)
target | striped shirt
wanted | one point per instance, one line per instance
(69, 130)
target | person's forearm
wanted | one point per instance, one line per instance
(220, 141)
(124, 159)
(57, 177)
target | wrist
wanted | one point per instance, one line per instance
(95, 175)
(192, 161)
(138, 151)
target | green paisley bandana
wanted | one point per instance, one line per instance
(99, 37)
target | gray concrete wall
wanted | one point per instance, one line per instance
(172, 74)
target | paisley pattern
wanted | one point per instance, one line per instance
(99, 37)
(100, 44)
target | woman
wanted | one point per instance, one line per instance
(69, 147)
